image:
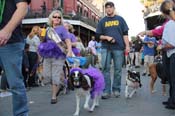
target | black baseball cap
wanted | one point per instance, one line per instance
(111, 4)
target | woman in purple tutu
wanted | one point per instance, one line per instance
(54, 57)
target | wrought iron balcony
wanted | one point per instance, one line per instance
(41, 14)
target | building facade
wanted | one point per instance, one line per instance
(152, 14)
(82, 14)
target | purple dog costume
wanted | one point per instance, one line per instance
(97, 77)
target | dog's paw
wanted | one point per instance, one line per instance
(130, 96)
(91, 110)
(153, 91)
(126, 96)
(86, 108)
(97, 105)
(164, 94)
(76, 114)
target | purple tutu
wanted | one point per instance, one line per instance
(98, 78)
(50, 49)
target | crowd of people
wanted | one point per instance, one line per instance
(110, 45)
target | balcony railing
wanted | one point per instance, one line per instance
(85, 20)
(41, 14)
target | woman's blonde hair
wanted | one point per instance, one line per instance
(79, 39)
(70, 27)
(35, 31)
(50, 23)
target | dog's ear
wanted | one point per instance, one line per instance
(84, 83)
(138, 73)
(140, 85)
(129, 72)
(70, 82)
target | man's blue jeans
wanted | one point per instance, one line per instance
(11, 63)
(117, 56)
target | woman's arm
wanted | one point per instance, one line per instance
(69, 47)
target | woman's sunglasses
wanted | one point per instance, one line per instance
(58, 17)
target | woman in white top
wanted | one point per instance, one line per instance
(33, 41)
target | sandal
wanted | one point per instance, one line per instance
(53, 101)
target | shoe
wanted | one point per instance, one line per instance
(42, 84)
(35, 85)
(165, 103)
(105, 96)
(116, 94)
(171, 107)
(143, 74)
(53, 101)
(137, 66)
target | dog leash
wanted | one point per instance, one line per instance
(107, 50)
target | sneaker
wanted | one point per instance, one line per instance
(165, 103)
(137, 66)
(5, 94)
(105, 96)
(116, 94)
(42, 84)
(53, 101)
(171, 107)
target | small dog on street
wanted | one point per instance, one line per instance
(88, 83)
(133, 82)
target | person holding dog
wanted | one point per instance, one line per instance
(11, 51)
(113, 31)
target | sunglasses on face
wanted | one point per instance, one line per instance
(58, 17)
